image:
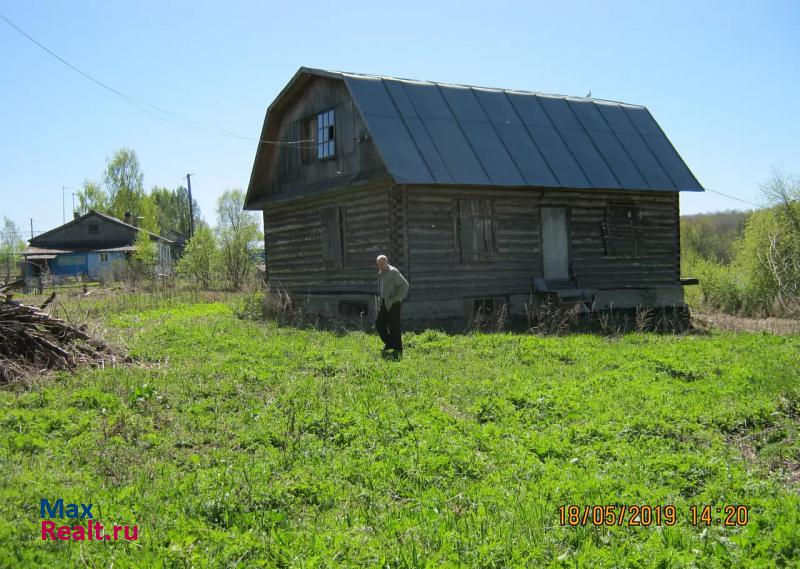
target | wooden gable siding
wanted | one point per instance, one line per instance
(438, 271)
(299, 251)
(288, 172)
(76, 235)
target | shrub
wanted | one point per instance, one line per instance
(201, 258)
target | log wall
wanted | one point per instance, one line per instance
(415, 227)
(294, 233)
(438, 271)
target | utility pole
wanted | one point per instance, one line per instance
(31, 228)
(191, 207)
(73, 204)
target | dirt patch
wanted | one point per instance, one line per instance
(741, 324)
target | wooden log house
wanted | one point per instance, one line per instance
(481, 197)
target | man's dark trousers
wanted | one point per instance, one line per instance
(388, 325)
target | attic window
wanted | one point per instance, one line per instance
(326, 135)
(94, 229)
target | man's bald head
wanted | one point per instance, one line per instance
(383, 262)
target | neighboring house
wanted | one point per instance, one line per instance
(178, 242)
(481, 197)
(90, 245)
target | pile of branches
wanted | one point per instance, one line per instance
(32, 341)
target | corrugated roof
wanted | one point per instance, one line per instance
(435, 133)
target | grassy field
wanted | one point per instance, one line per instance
(234, 443)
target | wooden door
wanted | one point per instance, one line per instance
(555, 244)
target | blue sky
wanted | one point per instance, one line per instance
(722, 78)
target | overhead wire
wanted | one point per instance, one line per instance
(733, 198)
(143, 105)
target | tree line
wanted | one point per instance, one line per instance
(224, 256)
(160, 210)
(748, 263)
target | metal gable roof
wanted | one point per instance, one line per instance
(94, 213)
(434, 133)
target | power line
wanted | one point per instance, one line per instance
(733, 198)
(143, 105)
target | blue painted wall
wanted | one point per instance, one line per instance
(96, 268)
(89, 264)
(69, 264)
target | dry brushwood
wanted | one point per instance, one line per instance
(32, 341)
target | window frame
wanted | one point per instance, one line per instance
(103, 258)
(93, 228)
(326, 134)
(612, 234)
(464, 211)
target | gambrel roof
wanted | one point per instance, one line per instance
(436, 133)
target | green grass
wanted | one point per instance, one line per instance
(237, 443)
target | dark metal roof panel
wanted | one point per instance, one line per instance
(492, 154)
(463, 104)
(526, 155)
(398, 150)
(401, 98)
(456, 151)
(428, 101)
(643, 157)
(372, 97)
(497, 106)
(559, 112)
(590, 160)
(559, 157)
(529, 109)
(453, 134)
(428, 150)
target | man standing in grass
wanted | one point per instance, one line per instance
(392, 289)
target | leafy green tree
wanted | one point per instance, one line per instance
(145, 250)
(124, 181)
(237, 230)
(712, 235)
(11, 245)
(173, 209)
(148, 214)
(768, 255)
(92, 196)
(201, 257)
(763, 277)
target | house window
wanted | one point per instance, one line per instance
(104, 257)
(474, 230)
(620, 231)
(333, 236)
(483, 306)
(94, 229)
(326, 135)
